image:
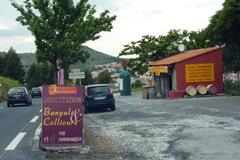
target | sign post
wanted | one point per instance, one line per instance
(76, 74)
(62, 117)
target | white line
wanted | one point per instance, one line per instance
(15, 141)
(34, 119)
(1, 107)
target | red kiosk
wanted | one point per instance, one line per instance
(176, 74)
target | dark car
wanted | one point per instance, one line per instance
(36, 92)
(98, 96)
(18, 95)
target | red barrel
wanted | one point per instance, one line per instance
(212, 89)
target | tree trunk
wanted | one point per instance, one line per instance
(55, 72)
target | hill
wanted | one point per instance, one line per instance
(7, 83)
(95, 58)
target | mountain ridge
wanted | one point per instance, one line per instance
(96, 58)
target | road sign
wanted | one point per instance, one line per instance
(75, 70)
(77, 75)
(62, 117)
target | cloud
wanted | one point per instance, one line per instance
(135, 18)
(155, 17)
(20, 43)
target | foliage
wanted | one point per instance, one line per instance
(39, 74)
(152, 48)
(224, 30)
(13, 66)
(88, 78)
(2, 64)
(7, 83)
(232, 88)
(104, 77)
(137, 84)
(61, 27)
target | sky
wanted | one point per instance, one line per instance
(135, 18)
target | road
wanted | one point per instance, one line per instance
(185, 129)
(17, 127)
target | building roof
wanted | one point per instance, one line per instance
(183, 56)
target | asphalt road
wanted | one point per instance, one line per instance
(17, 127)
(185, 129)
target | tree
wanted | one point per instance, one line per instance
(152, 48)
(224, 30)
(46, 72)
(13, 66)
(2, 65)
(104, 77)
(88, 78)
(33, 77)
(39, 74)
(137, 84)
(60, 28)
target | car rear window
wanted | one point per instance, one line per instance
(36, 89)
(17, 90)
(98, 90)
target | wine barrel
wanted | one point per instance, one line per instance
(212, 89)
(202, 90)
(191, 91)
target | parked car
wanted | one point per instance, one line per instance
(98, 96)
(36, 92)
(18, 95)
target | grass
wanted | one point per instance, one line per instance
(7, 83)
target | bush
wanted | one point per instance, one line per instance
(7, 83)
(137, 84)
(232, 88)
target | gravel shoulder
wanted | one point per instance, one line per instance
(193, 128)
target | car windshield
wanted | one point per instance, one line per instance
(17, 90)
(98, 90)
(36, 89)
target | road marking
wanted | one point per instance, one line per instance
(1, 107)
(15, 141)
(34, 119)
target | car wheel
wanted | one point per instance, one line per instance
(113, 108)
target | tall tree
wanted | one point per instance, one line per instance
(60, 27)
(152, 48)
(32, 77)
(224, 30)
(39, 74)
(13, 68)
(88, 78)
(104, 77)
(2, 65)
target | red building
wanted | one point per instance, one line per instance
(190, 68)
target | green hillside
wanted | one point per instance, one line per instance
(95, 58)
(7, 83)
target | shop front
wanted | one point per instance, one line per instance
(180, 74)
